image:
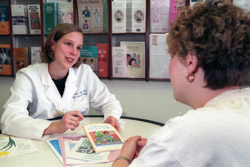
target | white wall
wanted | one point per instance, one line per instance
(149, 100)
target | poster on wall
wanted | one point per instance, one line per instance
(159, 16)
(119, 69)
(176, 6)
(90, 15)
(138, 15)
(119, 16)
(159, 57)
(135, 58)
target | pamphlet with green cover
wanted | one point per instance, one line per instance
(50, 16)
(5, 22)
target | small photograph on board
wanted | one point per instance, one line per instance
(5, 60)
(139, 16)
(119, 16)
(85, 11)
(5, 56)
(92, 62)
(180, 5)
(133, 60)
(97, 16)
(85, 25)
(154, 39)
(35, 20)
(19, 65)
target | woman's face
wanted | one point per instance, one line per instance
(67, 50)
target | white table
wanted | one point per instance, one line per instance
(45, 157)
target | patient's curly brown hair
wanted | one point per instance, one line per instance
(218, 32)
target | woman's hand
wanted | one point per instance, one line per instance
(141, 143)
(128, 150)
(70, 120)
(114, 122)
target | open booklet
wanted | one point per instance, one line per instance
(103, 137)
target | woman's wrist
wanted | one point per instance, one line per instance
(51, 129)
(121, 157)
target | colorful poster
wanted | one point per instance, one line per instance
(65, 11)
(34, 19)
(175, 7)
(5, 22)
(5, 60)
(90, 15)
(89, 55)
(103, 60)
(135, 59)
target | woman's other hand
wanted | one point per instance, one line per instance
(141, 143)
(114, 122)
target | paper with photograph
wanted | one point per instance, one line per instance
(83, 150)
(135, 58)
(90, 15)
(138, 16)
(119, 16)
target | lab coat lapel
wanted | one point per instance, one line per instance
(70, 87)
(51, 90)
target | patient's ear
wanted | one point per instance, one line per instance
(191, 62)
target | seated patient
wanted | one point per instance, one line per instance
(209, 44)
(60, 86)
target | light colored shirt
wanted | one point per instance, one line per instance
(216, 135)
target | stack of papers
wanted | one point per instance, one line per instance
(75, 151)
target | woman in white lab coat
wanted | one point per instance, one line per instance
(60, 86)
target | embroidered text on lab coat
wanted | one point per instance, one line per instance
(81, 93)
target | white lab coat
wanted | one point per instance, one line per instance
(35, 98)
